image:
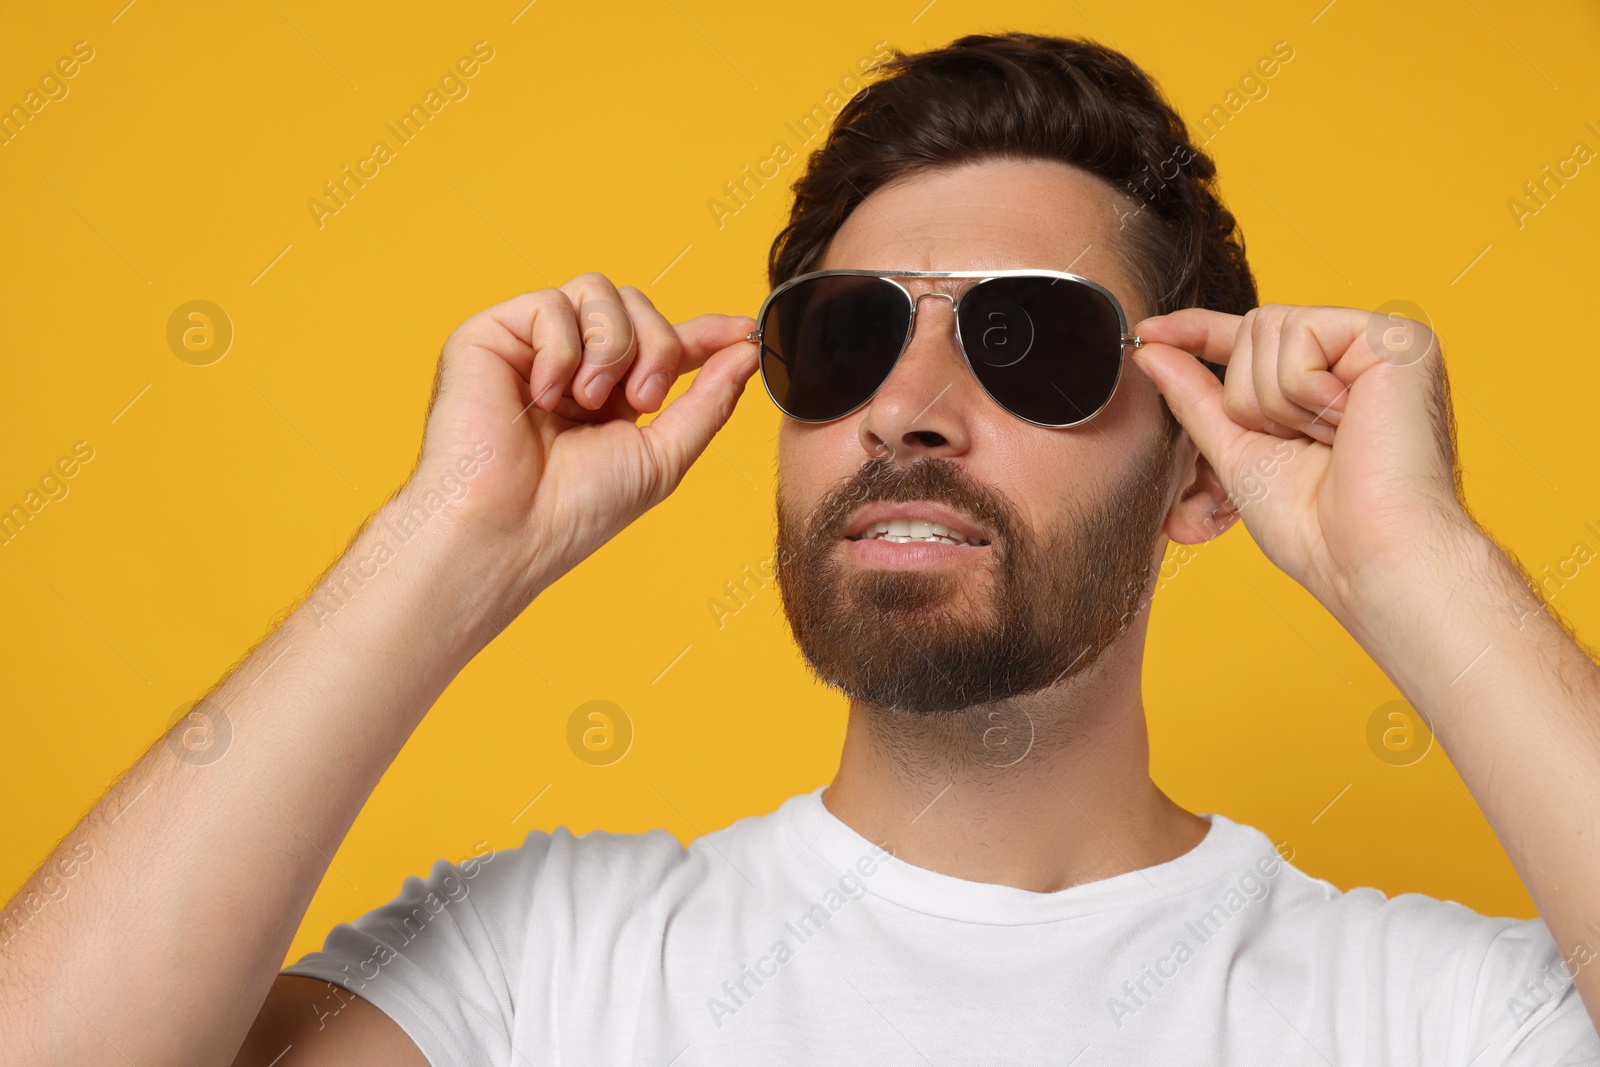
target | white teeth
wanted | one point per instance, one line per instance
(903, 530)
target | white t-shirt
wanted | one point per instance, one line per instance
(788, 938)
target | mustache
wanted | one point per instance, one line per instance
(929, 478)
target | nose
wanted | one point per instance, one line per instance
(923, 406)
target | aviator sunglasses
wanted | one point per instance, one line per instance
(1045, 345)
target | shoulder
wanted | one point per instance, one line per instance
(1496, 989)
(1318, 906)
(599, 866)
(1411, 943)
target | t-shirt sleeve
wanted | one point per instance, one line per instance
(1525, 1007)
(443, 957)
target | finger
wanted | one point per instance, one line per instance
(697, 338)
(1201, 332)
(680, 433)
(556, 346)
(1316, 381)
(1196, 399)
(1239, 400)
(660, 352)
(505, 330)
(609, 339)
(1280, 415)
(1313, 429)
(1304, 377)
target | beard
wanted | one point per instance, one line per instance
(939, 639)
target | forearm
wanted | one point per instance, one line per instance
(1515, 702)
(204, 857)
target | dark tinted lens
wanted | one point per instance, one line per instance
(1045, 348)
(828, 343)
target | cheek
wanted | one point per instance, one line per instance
(1135, 390)
(813, 458)
(1051, 481)
(1132, 419)
(1038, 478)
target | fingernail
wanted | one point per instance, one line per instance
(596, 390)
(548, 398)
(654, 389)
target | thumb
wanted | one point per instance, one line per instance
(1195, 397)
(684, 428)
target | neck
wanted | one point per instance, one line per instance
(1043, 792)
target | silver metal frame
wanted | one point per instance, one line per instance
(955, 304)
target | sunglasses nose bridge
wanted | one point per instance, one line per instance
(916, 306)
(919, 363)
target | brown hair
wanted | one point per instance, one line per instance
(1022, 95)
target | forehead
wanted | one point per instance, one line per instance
(993, 214)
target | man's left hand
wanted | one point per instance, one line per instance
(1332, 434)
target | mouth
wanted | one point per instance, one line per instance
(909, 531)
(912, 535)
(914, 522)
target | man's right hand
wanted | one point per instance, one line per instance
(316, 712)
(554, 381)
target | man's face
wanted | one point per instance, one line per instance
(1072, 517)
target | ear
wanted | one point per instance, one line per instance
(1201, 510)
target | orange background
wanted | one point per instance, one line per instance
(1378, 164)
